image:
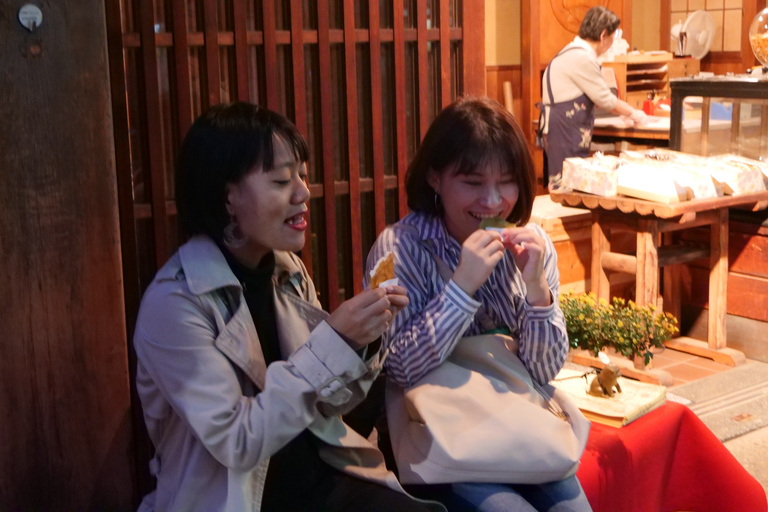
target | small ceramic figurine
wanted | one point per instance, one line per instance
(604, 382)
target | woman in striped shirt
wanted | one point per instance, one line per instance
(474, 164)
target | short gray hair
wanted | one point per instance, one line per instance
(595, 21)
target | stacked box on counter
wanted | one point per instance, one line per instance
(665, 176)
(595, 175)
(739, 174)
(732, 174)
(684, 172)
(651, 183)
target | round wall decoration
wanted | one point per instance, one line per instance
(570, 12)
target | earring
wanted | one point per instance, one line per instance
(232, 238)
(438, 202)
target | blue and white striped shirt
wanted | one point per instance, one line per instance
(424, 334)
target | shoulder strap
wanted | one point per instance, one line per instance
(546, 72)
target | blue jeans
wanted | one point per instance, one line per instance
(563, 496)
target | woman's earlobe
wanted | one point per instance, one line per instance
(433, 179)
(227, 201)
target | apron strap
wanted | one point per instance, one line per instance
(546, 72)
(542, 110)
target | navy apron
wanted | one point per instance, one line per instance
(570, 127)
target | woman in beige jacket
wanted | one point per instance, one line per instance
(241, 375)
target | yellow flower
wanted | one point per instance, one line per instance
(620, 324)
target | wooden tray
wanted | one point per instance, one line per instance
(686, 209)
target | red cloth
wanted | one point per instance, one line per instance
(666, 461)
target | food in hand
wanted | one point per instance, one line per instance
(495, 223)
(383, 271)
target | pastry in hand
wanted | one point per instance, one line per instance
(495, 223)
(383, 274)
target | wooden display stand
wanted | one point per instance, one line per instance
(654, 224)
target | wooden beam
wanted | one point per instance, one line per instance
(531, 64)
(212, 75)
(353, 154)
(445, 54)
(619, 262)
(326, 120)
(400, 116)
(300, 105)
(377, 127)
(473, 72)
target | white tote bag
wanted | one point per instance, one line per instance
(479, 417)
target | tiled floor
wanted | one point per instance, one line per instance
(685, 367)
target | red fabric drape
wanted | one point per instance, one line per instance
(666, 461)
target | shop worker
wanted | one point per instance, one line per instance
(241, 374)
(571, 87)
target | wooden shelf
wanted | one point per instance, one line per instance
(637, 76)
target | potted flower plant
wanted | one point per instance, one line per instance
(629, 329)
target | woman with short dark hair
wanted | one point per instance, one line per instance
(474, 164)
(571, 87)
(242, 376)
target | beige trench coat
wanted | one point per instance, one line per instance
(198, 359)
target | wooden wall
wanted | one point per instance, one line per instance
(64, 395)
(718, 62)
(361, 79)
(495, 76)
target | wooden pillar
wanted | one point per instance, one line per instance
(647, 286)
(473, 72)
(66, 428)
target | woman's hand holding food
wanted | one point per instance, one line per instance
(398, 298)
(527, 249)
(480, 253)
(364, 317)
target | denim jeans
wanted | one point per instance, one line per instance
(563, 496)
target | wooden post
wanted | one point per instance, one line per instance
(600, 244)
(718, 281)
(671, 276)
(66, 428)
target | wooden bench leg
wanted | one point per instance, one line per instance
(671, 276)
(718, 281)
(600, 285)
(715, 348)
(647, 288)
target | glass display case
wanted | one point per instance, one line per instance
(722, 114)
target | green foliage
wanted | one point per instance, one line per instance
(626, 327)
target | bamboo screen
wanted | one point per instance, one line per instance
(362, 79)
